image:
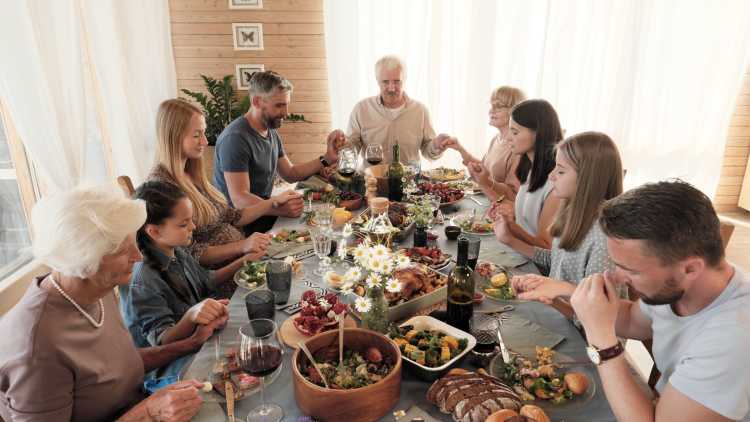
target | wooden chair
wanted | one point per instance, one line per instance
(726, 229)
(126, 185)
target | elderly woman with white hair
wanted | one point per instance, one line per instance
(391, 118)
(66, 354)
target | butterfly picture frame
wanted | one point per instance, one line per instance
(243, 72)
(248, 36)
(245, 4)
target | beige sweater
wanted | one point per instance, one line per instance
(372, 123)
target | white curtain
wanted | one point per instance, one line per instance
(82, 80)
(660, 77)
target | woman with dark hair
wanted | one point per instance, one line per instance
(169, 293)
(534, 132)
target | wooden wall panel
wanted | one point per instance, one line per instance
(293, 46)
(736, 153)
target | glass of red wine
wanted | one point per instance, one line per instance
(347, 164)
(260, 354)
(374, 154)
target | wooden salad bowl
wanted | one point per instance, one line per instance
(364, 404)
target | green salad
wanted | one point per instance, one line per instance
(252, 274)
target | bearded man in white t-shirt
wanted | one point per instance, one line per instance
(665, 242)
(392, 118)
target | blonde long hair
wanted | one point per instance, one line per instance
(597, 162)
(506, 96)
(172, 123)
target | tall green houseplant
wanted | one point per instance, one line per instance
(220, 106)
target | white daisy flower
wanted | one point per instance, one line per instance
(380, 251)
(353, 274)
(375, 264)
(372, 281)
(362, 304)
(388, 267)
(324, 304)
(393, 285)
(347, 288)
(402, 261)
(361, 254)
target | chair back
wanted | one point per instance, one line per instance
(126, 185)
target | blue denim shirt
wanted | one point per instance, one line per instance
(149, 306)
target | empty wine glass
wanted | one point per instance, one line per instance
(260, 355)
(322, 239)
(324, 215)
(374, 154)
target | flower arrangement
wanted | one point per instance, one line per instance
(374, 265)
(319, 313)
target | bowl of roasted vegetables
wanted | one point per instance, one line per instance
(251, 275)
(431, 347)
(366, 385)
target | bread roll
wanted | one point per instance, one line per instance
(577, 382)
(534, 412)
(501, 415)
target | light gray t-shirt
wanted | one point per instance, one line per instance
(529, 206)
(705, 356)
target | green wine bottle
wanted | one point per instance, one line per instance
(396, 177)
(461, 289)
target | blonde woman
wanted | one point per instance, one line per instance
(588, 171)
(496, 170)
(218, 239)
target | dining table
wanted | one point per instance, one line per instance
(279, 387)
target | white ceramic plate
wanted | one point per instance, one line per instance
(424, 322)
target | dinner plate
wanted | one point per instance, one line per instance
(570, 409)
(440, 176)
(459, 219)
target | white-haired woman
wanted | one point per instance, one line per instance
(66, 354)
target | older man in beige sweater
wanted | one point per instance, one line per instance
(392, 118)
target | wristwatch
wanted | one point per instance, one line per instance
(598, 356)
(324, 161)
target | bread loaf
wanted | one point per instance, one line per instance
(471, 397)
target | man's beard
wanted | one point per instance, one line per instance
(668, 295)
(272, 123)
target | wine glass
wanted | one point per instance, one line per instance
(260, 354)
(347, 164)
(322, 239)
(324, 215)
(374, 154)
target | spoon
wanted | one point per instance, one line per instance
(312, 360)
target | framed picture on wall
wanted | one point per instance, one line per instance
(248, 36)
(245, 4)
(243, 73)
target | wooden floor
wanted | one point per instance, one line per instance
(738, 250)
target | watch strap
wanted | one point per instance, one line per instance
(324, 161)
(611, 352)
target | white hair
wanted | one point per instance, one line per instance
(389, 62)
(73, 230)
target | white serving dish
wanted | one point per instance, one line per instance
(423, 322)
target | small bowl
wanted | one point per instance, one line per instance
(351, 204)
(452, 232)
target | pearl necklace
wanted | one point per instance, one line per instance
(85, 314)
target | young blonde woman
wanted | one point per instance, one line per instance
(588, 172)
(534, 132)
(496, 174)
(218, 239)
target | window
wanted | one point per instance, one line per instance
(14, 228)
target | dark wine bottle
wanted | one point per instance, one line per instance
(461, 289)
(396, 177)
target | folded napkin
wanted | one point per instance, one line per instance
(522, 336)
(502, 255)
(284, 249)
(314, 182)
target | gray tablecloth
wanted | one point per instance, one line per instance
(413, 391)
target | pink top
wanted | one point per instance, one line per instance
(501, 162)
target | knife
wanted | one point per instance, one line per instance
(503, 349)
(229, 393)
